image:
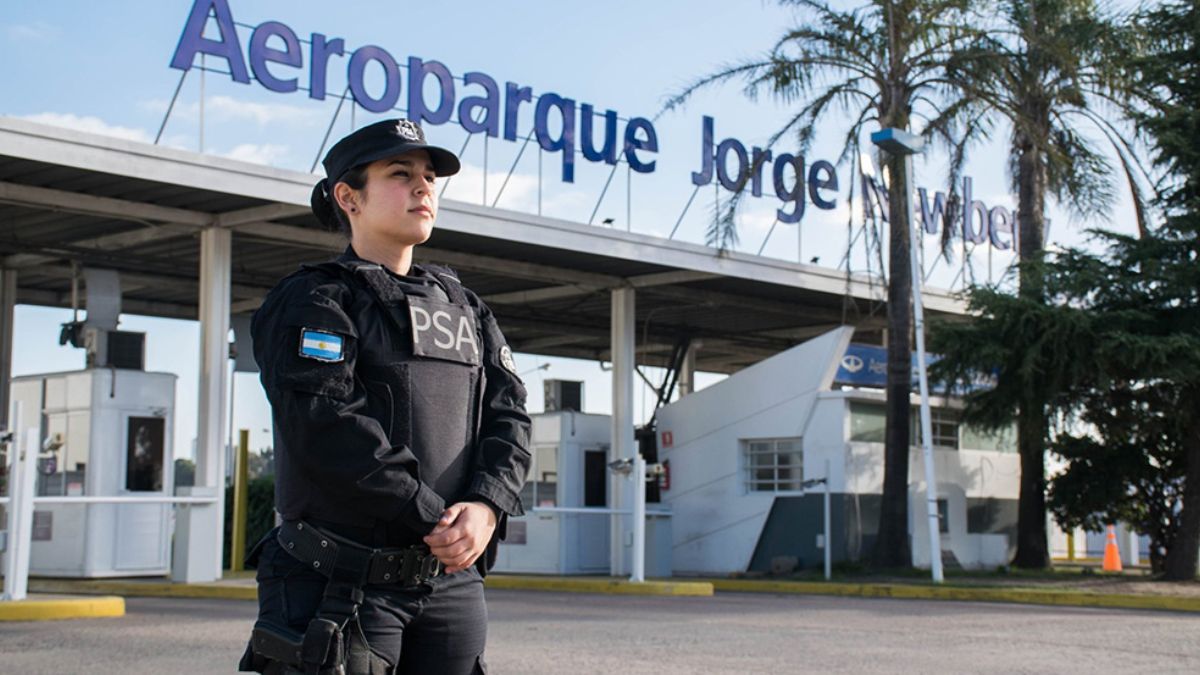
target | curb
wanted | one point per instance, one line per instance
(51, 609)
(605, 585)
(145, 589)
(960, 593)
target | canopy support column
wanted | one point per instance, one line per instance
(200, 527)
(623, 445)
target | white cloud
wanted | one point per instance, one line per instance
(228, 109)
(266, 153)
(520, 193)
(89, 124)
(36, 31)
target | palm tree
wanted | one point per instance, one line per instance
(883, 64)
(1051, 69)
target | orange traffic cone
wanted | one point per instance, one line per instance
(1112, 555)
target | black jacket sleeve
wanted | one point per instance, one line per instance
(320, 407)
(503, 455)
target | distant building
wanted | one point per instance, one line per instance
(737, 452)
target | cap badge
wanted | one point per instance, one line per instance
(407, 130)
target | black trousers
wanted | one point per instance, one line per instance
(439, 626)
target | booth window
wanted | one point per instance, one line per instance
(144, 454)
(773, 465)
(544, 476)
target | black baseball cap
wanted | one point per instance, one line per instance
(378, 141)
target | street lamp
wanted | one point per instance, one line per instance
(544, 366)
(904, 144)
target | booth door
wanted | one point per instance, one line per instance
(594, 528)
(141, 542)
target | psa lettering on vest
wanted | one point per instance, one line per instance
(443, 331)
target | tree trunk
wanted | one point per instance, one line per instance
(892, 547)
(1032, 549)
(1032, 545)
(1184, 554)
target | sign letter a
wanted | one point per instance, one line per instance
(192, 41)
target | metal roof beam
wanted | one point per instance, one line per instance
(255, 214)
(669, 278)
(544, 342)
(171, 310)
(108, 242)
(717, 298)
(540, 295)
(576, 290)
(714, 340)
(247, 305)
(516, 268)
(142, 280)
(119, 209)
(306, 237)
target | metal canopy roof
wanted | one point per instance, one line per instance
(69, 198)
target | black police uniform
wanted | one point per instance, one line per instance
(392, 396)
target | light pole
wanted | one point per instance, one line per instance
(904, 144)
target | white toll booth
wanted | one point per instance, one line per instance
(565, 529)
(105, 432)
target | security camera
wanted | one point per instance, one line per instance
(53, 442)
(623, 467)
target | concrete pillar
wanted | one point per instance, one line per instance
(1128, 544)
(687, 374)
(8, 303)
(623, 443)
(199, 527)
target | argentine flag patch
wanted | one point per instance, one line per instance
(315, 344)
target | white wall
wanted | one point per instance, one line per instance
(716, 524)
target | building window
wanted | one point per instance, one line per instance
(1000, 440)
(868, 422)
(944, 425)
(773, 465)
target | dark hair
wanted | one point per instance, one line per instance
(325, 205)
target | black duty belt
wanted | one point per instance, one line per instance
(334, 556)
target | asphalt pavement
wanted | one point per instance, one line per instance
(538, 632)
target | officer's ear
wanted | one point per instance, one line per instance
(347, 198)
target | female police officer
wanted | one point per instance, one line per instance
(400, 429)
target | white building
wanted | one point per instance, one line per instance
(738, 451)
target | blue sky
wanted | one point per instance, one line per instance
(103, 67)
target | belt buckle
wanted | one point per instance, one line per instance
(430, 566)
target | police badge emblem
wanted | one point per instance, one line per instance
(409, 131)
(506, 360)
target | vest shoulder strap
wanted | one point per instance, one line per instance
(448, 279)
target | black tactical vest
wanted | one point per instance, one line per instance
(420, 350)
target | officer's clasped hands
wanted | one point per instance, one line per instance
(462, 534)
